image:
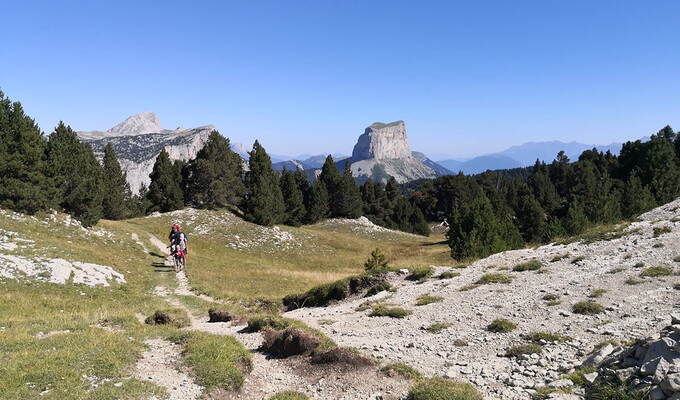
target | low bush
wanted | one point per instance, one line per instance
(597, 292)
(660, 230)
(448, 275)
(402, 370)
(676, 286)
(530, 348)
(420, 274)
(379, 287)
(440, 388)
(460, 343)
(633, 281)
(639, 265)
(341, 356)
(494, 278)
(537, 337)
(318, 296)
(559, 257)
(437, 327)
(290, 342)
(577, 375)
(657, 271)
(677, 259)
(289, 395)
(393, 312)
(176, 317)
(220, 316)
(259, 323)
(550, 297)
(532, 265)
(575, 260)
(427, 299)
(501, 326)
(554, 303)
(588, 308)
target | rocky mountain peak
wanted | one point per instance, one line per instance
(146, 122)
(383, 141)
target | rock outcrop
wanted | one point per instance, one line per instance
(383, 151)
(139, 139)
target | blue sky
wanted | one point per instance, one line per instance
(308, 76)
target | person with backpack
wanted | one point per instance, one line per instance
(179, 258)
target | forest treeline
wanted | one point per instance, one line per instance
(486, 213)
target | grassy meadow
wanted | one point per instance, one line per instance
(72, 341)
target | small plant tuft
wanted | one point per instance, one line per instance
(532, 265)
(537, 337)
(676, 286)
(677, 259)
(420, 274)
(494, 278)
(437, 327)
(576, 260)
(657, 271)
(402, 370)
(427, 299)
(448, 275)
(176, 317)
(289, 395)
(380, 287)
(633, 281)
(597, 293)
(588, 308)
(660, 230)
(440, 388)
(501, 326)
(393, 312)
(551, 296)
(529, 348)
(559, 257)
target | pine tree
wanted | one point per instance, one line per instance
(348, 203)
(319, 206)
(263, 203)
(117, 192)
(543, 189)
(79, 175)
(402, 214)
(418, 223)
(377, 262)
(659, 169)
(576, 220)
(24, 186)
(293, 199)
(530, 218)
(330, 176)
(392, 189)
(215, 177)
(303, 184)
(165, 193)
(636, 198)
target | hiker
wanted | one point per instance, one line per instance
(183, 242)
(179, 258)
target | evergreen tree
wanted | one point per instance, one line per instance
(215, 176)
(402, 214)
(392, 190)
(165, 193)
(530, 218)
(77, 172)
(292, 197)
(426, 200)
(659, 169)
(330, 176)
(263, 203)
(303, 184)
(377, 262)
(576, 220)
(117, 192)
(418, 223)
(348, 197)
(319, 206)
(24, 186)
(543, 189)
(139, 203)
(636, 198)
(475, 231)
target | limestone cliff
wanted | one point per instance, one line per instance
(139, 139)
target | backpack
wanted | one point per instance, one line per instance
(182, 241)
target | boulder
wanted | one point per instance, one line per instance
(596, 358)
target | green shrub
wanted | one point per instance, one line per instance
(501, 326)
(437, 327)
(639, 265)
(523, 349)
(658, 231)
(494, 278)
(550, 297)
(554, 303)
(577, 375)
(318, 296)
(394, 312)
(377, 262)
(616, 270)
(289, 395)
(677, 259)
(597, 292)
(676, 286)
(532, 265)
(616, 390)
(559, 257)
(587, 308)
(657, 271)
(448, 275)
(420, 274)
(633, 281)
(577, 259)
(403, 370)
(443, 389)
(427, 299)
(259, 323)
(536, 337)
(380, 287)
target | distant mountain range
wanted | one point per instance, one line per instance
(525, 155)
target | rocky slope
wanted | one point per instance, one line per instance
(608, 271)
